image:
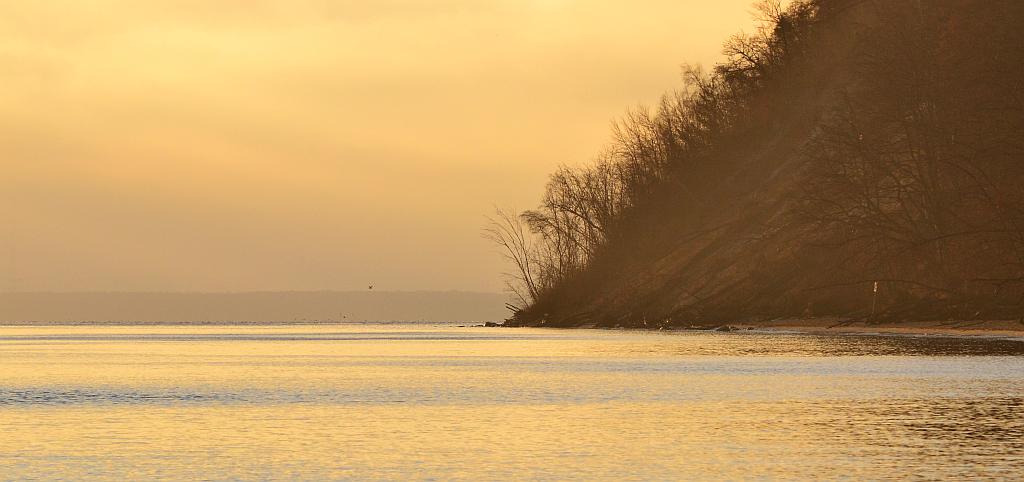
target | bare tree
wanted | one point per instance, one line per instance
(507, 230)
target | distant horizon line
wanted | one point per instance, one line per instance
(169, 292)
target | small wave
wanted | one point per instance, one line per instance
(96, 396)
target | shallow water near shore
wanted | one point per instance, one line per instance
(435, 401)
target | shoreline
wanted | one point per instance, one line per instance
(838, 326)
(825, 326)
(1013, 329)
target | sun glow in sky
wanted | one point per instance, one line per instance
(226, 145)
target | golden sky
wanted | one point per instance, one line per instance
(227, 145)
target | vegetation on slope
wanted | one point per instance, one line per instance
(850, 158)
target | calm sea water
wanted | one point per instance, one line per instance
(443, 402)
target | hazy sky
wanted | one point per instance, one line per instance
(226, 145)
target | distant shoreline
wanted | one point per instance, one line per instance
(251, 307)
(5, 323)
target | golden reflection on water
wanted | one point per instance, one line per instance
(407, 401)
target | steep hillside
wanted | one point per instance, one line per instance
(861, 159)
